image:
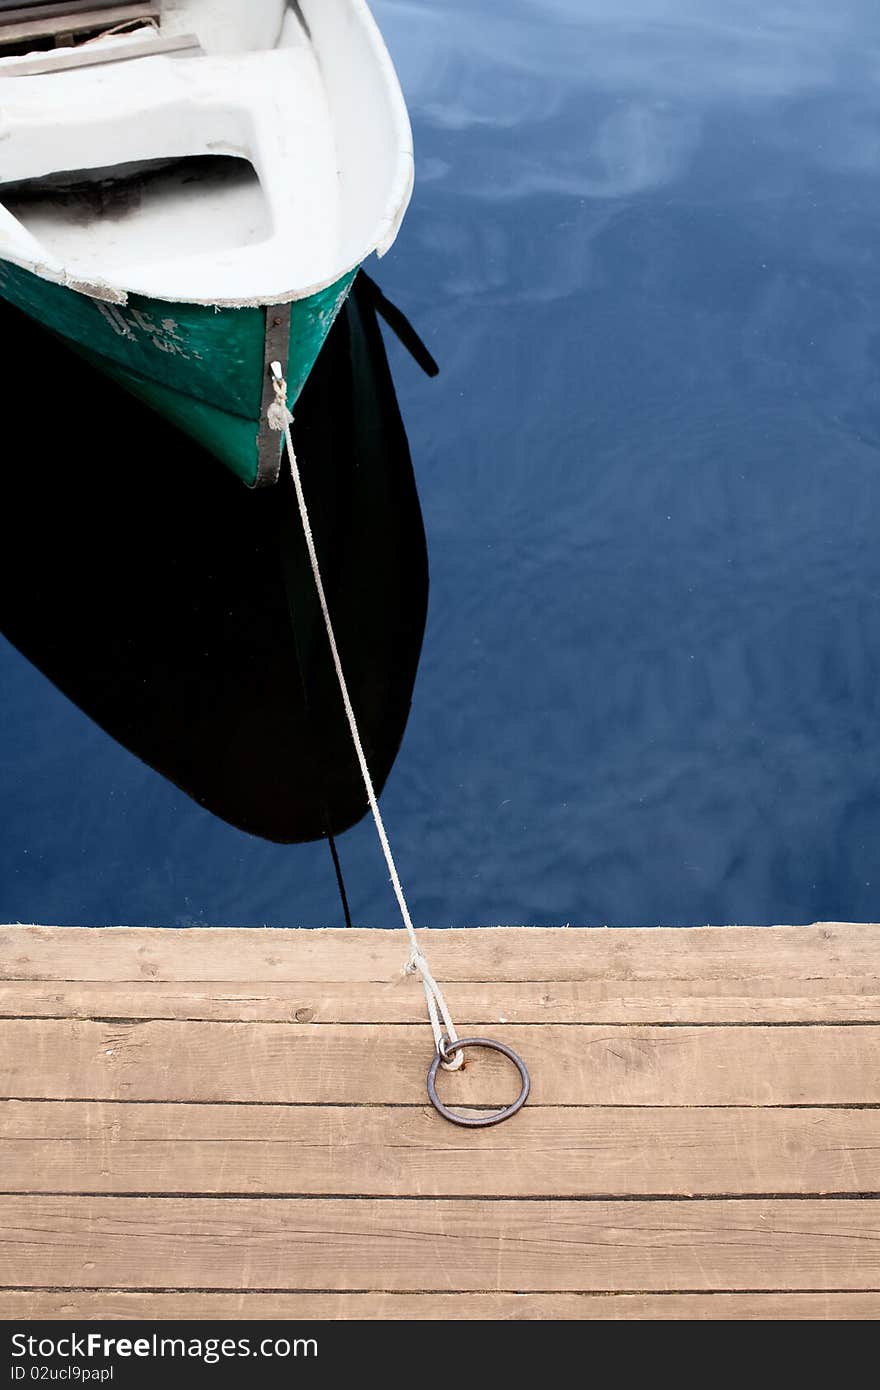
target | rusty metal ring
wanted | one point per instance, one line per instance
(479, 1121)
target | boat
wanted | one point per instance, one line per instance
(192, 634)
(188, 189)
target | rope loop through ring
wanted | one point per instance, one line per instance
(446, 1052)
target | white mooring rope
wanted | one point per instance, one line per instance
(280, 418)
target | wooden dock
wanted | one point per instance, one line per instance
(233, 1123)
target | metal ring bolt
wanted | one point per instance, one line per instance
(446, 1051)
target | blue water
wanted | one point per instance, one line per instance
(644, 249)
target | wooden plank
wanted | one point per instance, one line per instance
(336, 1064)
(71, 19)
(748, 1000)
(90, 56)
(825, 951)
(44, 9)
(98, 1147)
(461, 1245)
(108, 1306)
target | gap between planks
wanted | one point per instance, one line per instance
(742, 1001)
(439, 1305)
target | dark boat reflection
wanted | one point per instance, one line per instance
(177, 609)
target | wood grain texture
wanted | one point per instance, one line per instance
(307, 1064)
(455, 1245)
(825, 951)
(103, 1147)
(109, 1305)
(223, 1123)
(746, 999)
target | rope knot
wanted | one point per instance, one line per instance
(278, 417)
(416, 965)
(437, 1008)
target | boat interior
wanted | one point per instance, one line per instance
(198, 151)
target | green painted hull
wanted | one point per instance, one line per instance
(203, 368)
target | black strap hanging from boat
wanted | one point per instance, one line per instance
(399, 325)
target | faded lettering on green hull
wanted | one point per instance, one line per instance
(201, 367)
